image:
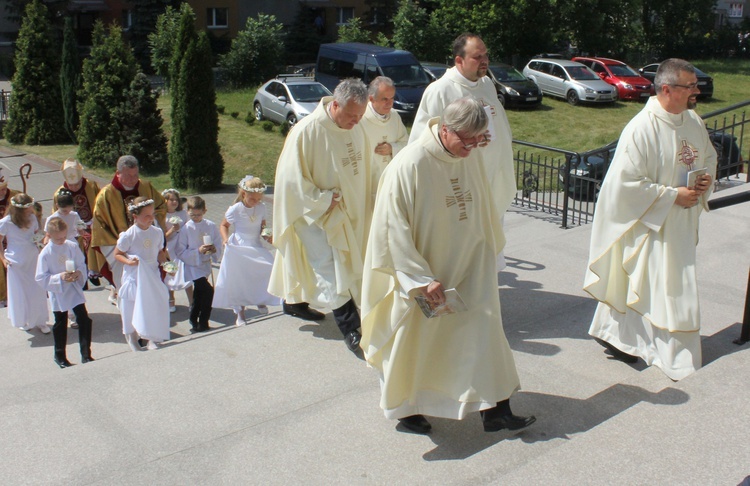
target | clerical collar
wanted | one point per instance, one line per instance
(330, 115)
(468, 81)
(378, 115)
(440, 139)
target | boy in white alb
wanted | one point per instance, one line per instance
(196, 248)
(73, 221)
(61, 271)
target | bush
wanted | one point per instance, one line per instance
(267, 126)
(220, 109)
(255, 53)
(250, 118)
(284, 128)
(235, 114)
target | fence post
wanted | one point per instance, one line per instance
(745, 333)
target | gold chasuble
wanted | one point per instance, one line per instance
(434, 220)
(111, 217)
(319, 157)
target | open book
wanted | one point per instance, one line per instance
(453, 303)
(693, 175)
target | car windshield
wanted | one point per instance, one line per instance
(622, 70)
(438, 71)
(581, 73)
(506, 74)
(407, 75)
(307, 93)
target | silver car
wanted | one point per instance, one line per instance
(287, 98)
(570, 80)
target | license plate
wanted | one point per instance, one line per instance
(643, 95)
(605, 97)
(531, 98)
(702, 83)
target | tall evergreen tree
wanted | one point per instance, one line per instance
(145, 15)
(141, 133)
(35, 115)
(161, 42)
(255, 53)
(195, 160)
(70, 79)
(107, 75)
(185, 33)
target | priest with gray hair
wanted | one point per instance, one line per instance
(431, 315)
(322, 209)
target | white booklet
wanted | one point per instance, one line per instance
(453, 303)
(693, 175)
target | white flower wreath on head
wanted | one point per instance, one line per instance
(21, 205)
(243, 184)
(170, 191)
(142, 204)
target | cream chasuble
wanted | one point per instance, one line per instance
(383, 129)
(642, 257)
(319, 157)
(497, 157)
(434, 219)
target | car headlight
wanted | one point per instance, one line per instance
(627, 86)
(589, 90)
(511, 91)
(581, 172)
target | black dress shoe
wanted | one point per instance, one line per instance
(616, 353)
(95, 281)
(303, 311)
(416, 423)
(352, 340)
(87, 359)
(510, 422)
(62, 362)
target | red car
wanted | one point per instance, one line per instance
(630, 85)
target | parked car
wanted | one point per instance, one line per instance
(630, 85)
(513, 88)
(287, 98)
(705, 82)
(434, 69)
(569, 80)
(587, 171)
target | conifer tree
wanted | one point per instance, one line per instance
(107, 75)
(35, 115)
(141, 133)
(70, 79)
(195, 160)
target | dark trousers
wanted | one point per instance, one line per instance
(203, 297)
(347, 317)
(60, 331)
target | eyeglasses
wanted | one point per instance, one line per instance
(481, 140)
(687, 86)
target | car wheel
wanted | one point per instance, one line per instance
(501, 98)
(258, 111)
(291, 119)
(573, 98)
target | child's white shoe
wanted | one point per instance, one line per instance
(240, 312)
(44, 328)
(262, 309)
(152, 345)
(132, 340)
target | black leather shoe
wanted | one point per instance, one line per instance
(616, 353)
(510, 422)
(87, 359)
(352, 340)
(303, 311)
(416, 423)
(62, 363)
(95, 281)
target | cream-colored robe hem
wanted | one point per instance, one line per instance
(642, 255)
(434, 219)
(319, 158)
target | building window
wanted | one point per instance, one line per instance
(344, 14)
(735, 10)
(127, 19)
(217, 18)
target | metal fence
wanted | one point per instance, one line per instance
(4, 104)
(565, 184)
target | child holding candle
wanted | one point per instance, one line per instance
(25, 296)
(61, 271)
(196, 248)
(142, 296)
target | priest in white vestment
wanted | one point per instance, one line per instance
(642, 261)
(322, 209)
(435, 228)
(469, 78)
(382, 124)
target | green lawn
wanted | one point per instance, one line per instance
(251, 150)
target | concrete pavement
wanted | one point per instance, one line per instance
(283, 401)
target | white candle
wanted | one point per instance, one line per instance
(70, 266)
(207, 240)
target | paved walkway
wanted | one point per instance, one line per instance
(282, 401)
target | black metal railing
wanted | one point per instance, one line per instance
(4, 104)
(566, 184)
